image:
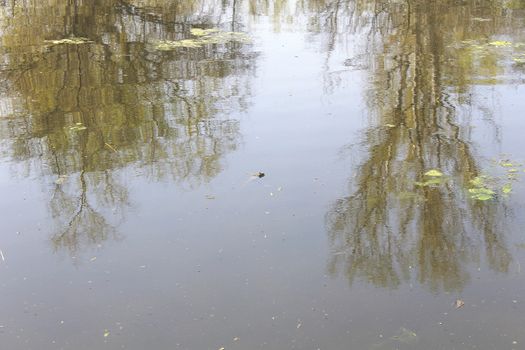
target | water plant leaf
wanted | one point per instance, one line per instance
(482, 190)
(69, 41)
(167, 45)
(483, 197)
(202, 32)
(203, 37)
(77, 127)
(481, 193)
(479, 19)
(507, 188)
(434, 173)
(478, 181)
(500, 43)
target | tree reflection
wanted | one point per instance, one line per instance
(78, 114)
(390, 230)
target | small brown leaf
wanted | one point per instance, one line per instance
(459, 303)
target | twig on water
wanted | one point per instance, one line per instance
(110, 147)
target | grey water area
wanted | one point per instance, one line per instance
(272, 174)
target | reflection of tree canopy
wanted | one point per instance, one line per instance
(388, 225)
(168, 113)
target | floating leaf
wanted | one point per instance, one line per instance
(69, 41)
(479, 19)
(482, 197)
(203, 37)
(167, 45)
(482, 190)
(459, 303)
(507, 188)
(482, 193)
(434, 173)
(224, 37)
(106, 333)
(500, 43)
(202, 32)
(477, 181)
(77, 127)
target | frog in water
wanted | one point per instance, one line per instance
(254, 176)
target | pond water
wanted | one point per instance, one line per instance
(279, 174)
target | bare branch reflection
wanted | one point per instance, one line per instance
(77, 115)
(389, 230)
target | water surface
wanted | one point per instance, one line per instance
(390, 211)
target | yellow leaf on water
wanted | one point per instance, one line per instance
(434, 173)
(69, 41)
(500, 43)
(202, 32)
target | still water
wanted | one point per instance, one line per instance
(135, 215)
